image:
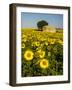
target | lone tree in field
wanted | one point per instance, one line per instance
(40, 25)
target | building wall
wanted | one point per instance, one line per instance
(49, 29)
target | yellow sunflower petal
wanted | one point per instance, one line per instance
(41, 53)
(44, 63)
(28, 55)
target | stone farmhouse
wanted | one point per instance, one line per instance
(49, 29)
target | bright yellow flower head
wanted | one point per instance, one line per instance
(28, 55)
(51, 41)
(35, 43)
(41, 53)
(44, 63)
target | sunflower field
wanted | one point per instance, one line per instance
(41, 53)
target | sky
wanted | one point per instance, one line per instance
(29, 20)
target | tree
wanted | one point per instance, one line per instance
(40, 24)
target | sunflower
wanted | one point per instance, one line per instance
(41, 53)
(51, 41)
(28, 55)
(35, 43)
(44, 63)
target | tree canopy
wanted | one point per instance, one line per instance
(41, 23)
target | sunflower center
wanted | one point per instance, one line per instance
(44, 63)
(41, 53)
(28, 55)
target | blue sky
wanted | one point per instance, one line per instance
(29, 20)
